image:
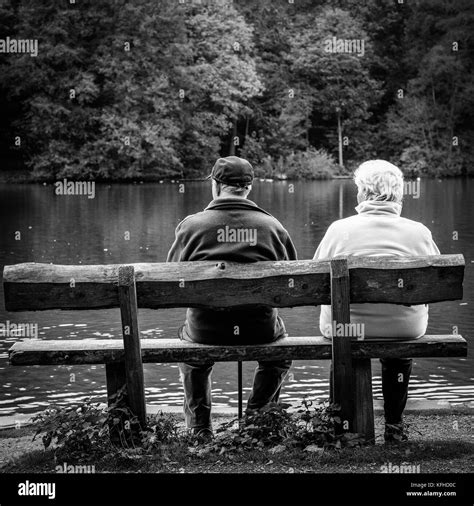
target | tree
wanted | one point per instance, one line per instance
(95, 103)
(155, 88)
(434, 118)
(218, 77)
(338, 83)
(123, 90)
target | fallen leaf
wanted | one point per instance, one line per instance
(314, 449)
(277, 449)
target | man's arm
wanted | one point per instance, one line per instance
(290, 248)
(176, 251)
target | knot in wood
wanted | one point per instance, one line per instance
(221, 265)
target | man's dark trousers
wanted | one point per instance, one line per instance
(196, 379)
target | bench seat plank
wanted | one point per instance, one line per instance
(100, 351)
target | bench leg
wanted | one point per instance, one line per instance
(131, 343)
(364, 404)
(342, 389)
(239, 387)
(123, 433)
(116, 379)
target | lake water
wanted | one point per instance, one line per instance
(75, 229)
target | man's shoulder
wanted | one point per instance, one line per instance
(272, 224)
(253, 216)
(266, 217)
(192, 219)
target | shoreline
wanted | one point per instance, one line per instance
(414, 407)
(24, 177)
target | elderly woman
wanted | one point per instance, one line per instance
(378, 230)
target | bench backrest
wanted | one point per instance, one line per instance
(396, 280)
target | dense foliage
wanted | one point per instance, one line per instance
(161, 88)
(309, 429)
(80, 429)
(87, 430)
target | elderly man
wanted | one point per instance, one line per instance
(231, 228)
(378, 230)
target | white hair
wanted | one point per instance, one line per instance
(238, 191)
(379, 180)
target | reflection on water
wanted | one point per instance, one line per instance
(73, 230)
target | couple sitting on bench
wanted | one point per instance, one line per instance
(234, 228)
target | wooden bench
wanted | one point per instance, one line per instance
(408, 280)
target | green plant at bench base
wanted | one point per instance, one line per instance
(320, 427)
(77, 431)
(274, 427)
(87, 429)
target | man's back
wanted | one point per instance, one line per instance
(237, 230)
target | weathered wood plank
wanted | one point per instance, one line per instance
(363, 399)
(409, 286)
(341, 344)
(33, 286)
(71, 286)
(103, 351)
(131, 341)
(184, 284)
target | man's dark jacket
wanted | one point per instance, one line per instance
(197, 239)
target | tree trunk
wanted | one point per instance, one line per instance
(339, 134)
(341, 201)
(451, 121)
(234, 134)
